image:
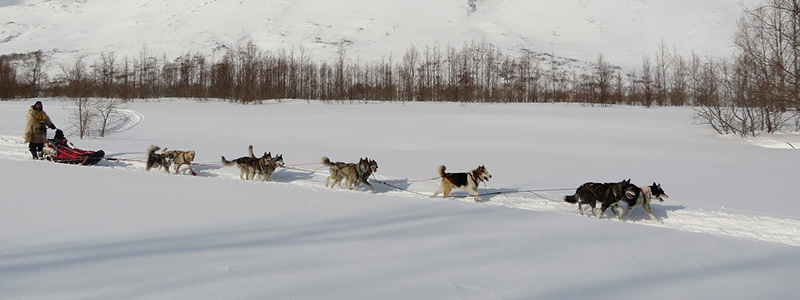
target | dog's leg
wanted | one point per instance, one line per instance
(447, 190)
(627, 212)
(369, 185)
(602, 210)
(241, 172)
(251, 173)
(439, 191)
(594, 210)
(580, 208)
(332, 176)
(177, 168)
(617, 210)
(337, 181)
(476, 194)
(646, 206)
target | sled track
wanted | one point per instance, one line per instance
(126, 119)
(777, 230)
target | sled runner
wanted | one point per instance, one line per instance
(61, 151)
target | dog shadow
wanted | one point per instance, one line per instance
(203, 170)
(484, 194)
(114, 163)
(394, 184)
(660, 211)
(288, 175)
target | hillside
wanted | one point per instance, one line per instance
(623, 31)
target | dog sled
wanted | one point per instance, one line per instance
(62, 151)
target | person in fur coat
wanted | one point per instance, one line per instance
(36, 129)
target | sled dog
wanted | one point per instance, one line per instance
(647, 195)
(248, 165)
(157, 160)
(180, 158)
(608, 194)
(365, 169)
(341, 170)
(268, 166)
(465, 181)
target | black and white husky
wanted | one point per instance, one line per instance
(648, 194)
(607, 194)
(464, 181)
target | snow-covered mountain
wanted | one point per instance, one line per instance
(622, 30)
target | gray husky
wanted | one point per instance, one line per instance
(249, 165)
(265, 168)
(365, 169)
(157, 160)
(341, 170)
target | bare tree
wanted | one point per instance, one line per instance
(106, 110)
(760, 90)
(603, 77)
(8, 78)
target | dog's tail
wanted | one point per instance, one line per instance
(442, 169)
(152, 149)
(250, 151)
(571, 198)
(326, 161)
(226, 163)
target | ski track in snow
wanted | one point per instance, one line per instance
(676, 217)
(127, 119)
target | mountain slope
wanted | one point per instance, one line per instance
(623, 31)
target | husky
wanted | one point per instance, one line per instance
(647, 195)
(249, 165)
(180, 158)
(268, 166)
(158, 160)
(464, 181)
(365, 169)
(341, 170)
(608, 194)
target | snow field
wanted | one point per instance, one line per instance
(115, 231)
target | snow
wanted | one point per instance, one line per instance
(730, 229)
(622, 30)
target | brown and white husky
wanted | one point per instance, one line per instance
(467, 181)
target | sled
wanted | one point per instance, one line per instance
(61, 151)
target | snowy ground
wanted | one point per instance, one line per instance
(730, 230)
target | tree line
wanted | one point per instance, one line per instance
(473, 72)
(754, 91)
